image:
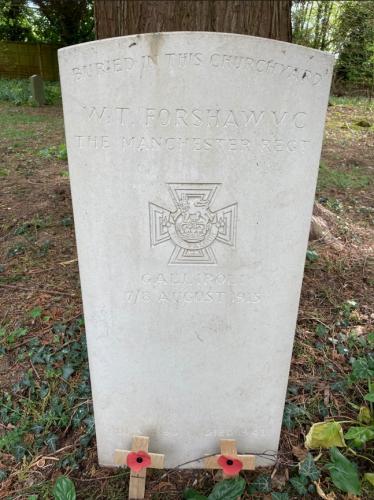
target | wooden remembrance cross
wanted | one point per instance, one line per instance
(139, 453)
(229, 461)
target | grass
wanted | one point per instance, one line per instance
(25, 129)
(18, 92)
(356, 102)
(334, 178)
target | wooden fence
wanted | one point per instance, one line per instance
(21, 60)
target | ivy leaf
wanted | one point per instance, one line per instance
(291, 411)
(369, 397)
(67, 371)
(299, 483)
(312, 255)
(192, 494)
(228, 489)
(18, 451)
(279, 496)
(52, 442)
(362, 369)
(364, 415)
(360, 435)
(36, 312)
(44, 389)
(64, 489)
(262, 484)
(325, 435)
(321, 330)
(309, 469)
(369, 477)
(343, 472)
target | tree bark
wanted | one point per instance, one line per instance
(265, 18)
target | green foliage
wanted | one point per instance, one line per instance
(360, 435)
(52, 91)
(279, 496)
(59, 152)
(67, 221)
(335, 205)
(362, 368)
(343, 473)
(329, 178)
(344, 28)
(191, 494)
(309, 469)
(15, 91)
(55, 401)
(47, 21)
(369, 397)
(262, 484)
(313, 23)
(32, 226)
(322, 330)
(56, 24)
(300, 484)
(11, 337)
(311, 255)
(64, 489)
(18, 92)
(355, 42)
(35, 313)
(293, 414)
(228, 489)
(360, 432)
(16, 21)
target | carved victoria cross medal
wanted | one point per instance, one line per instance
(193, 226)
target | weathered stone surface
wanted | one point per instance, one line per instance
(193, 162)
(37, 89)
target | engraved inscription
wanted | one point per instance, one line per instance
(193, 227)
(262, 131)
(260, 145)
(195, 117)
(186, 288)
(184, 60)
(138, 296)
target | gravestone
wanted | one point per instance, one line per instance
(37, 89)
(193, 162)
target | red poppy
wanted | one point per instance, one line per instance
(231, 466)
(138, 460)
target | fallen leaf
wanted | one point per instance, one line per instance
(299, 452)
(322, 494)
(325, 435)
(359, 330)
(279, 481)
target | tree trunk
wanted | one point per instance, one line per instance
(265, 18)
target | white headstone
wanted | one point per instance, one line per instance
(193, 163)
